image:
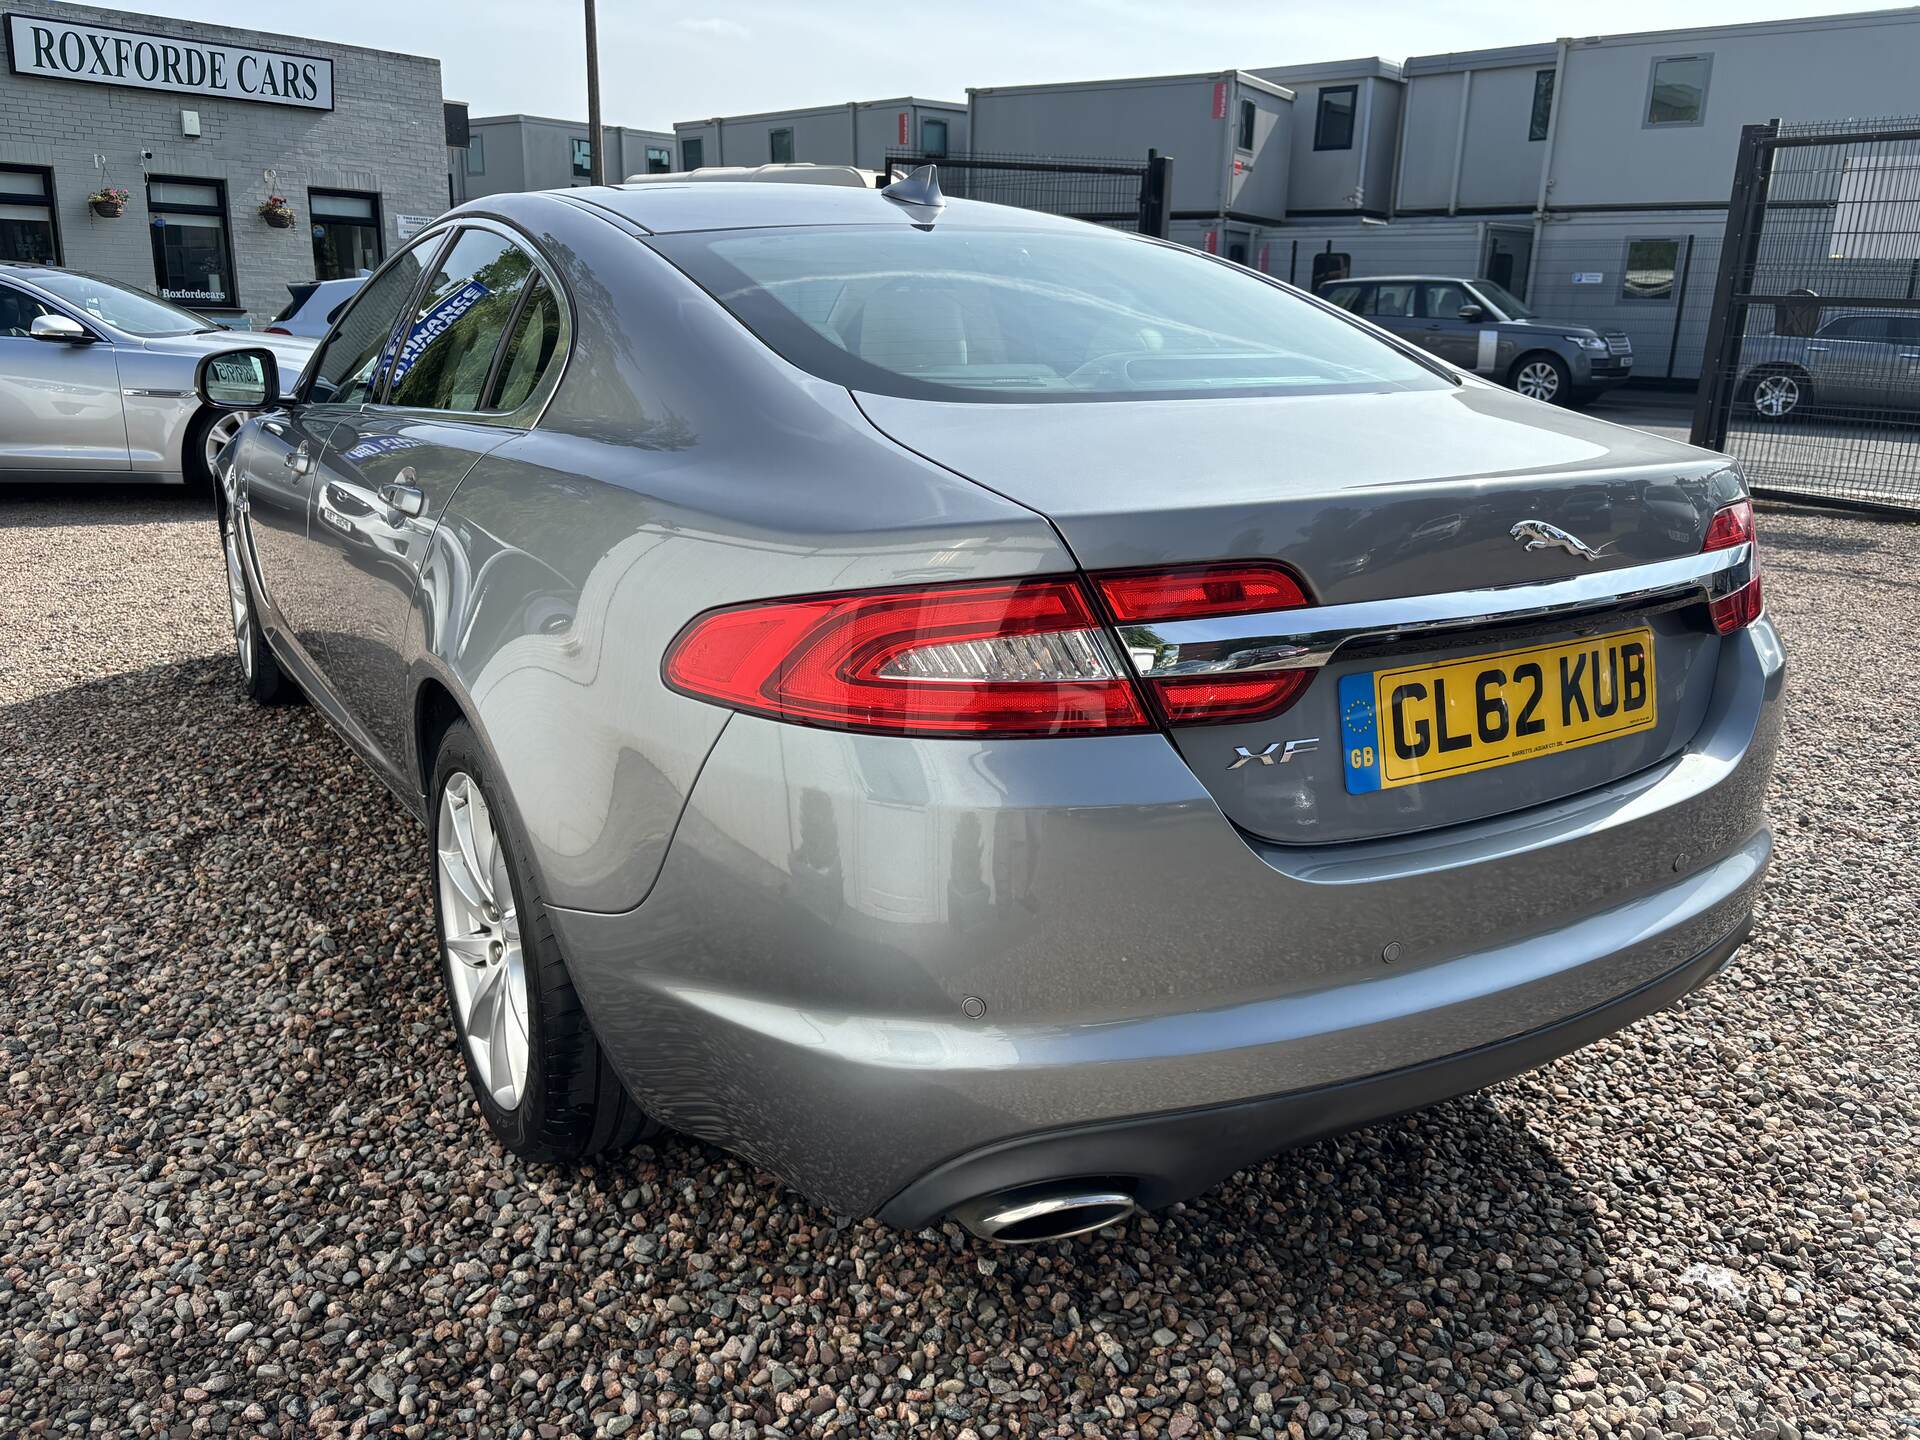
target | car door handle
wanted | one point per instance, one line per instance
(1818, 349)
(273, 427)
(300, 459)
(1910, 354)
(400, 493)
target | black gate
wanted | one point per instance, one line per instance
(1812, 370)
(1125, 194)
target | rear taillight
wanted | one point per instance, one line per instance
(276, 330)
(1009, 658)
(1733, 525)
(1198, 592)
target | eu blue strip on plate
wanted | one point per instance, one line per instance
(1359, 734)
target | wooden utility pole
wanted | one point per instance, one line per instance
(598, 172)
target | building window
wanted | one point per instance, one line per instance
(1333, 125)
(583, 159)
(1650, 269)
(1542, 105)
(26, 216)
(346, 233)
(1331, 265)
(1244, 139)
(693, 153)
(476, 154)
(933, 138)
(1677, 90)
(780, 147)
(192, 259)
(659, 160)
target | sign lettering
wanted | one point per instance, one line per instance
(99, 55)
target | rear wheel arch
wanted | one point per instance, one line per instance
(435, 709)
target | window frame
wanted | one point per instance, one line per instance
(1625, 296)
(527, 415)
(1244, 127)
(699, 156)
(774, 137)
(574, 151)
(431, 243)
(1537, 124)
(379, 223)
(48, 200)
(1326, 92)
(476, 145)
(220, 211)
(662, 153)
(946, 137)
(1647, 122)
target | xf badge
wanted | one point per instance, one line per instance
(1275, 754)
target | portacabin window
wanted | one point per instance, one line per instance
(1244, 139)
(693, 153)
(1649, 271)
(780, 146)
(1333, 121)
(346, 233)
(933, 137)
(1330, 265)
(1677, 90)
(192, 250)
(659, 160)
(27, 229)
(583, 158)
(1542, 114)
(476, 153)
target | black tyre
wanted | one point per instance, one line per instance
(1541, 376)
(266, 683)
(546, 1087)
(207, 435)
(1779, 395)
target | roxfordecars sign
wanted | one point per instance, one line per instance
(98, 54)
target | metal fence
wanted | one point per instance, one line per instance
(1812, 375)
(1125, 194)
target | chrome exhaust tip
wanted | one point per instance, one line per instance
(1036, 1213)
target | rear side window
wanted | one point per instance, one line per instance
(958, 313)
(446, 356)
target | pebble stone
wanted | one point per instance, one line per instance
(244, 1191)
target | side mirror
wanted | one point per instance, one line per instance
(60, 329)
(238, 380)
(1471, 311)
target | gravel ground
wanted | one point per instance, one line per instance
(245, 1190)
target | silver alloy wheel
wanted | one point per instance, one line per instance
(237, 599)
(1537, 380)
(481, 932)
(225, 426)
(1776, 396)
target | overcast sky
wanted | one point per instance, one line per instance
(686, 60)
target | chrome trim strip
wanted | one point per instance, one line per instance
(1307, 638)
(160, 394)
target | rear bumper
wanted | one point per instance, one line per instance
(873, 965)
(1164, 1158)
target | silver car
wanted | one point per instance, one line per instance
(1867, 360)
(97, 380)
(987, 716)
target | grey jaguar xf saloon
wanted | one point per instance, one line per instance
(983, 715)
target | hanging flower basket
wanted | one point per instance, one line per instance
(108, 204)
(277, 213)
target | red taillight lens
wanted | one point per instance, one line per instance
(1015, 658)
(276, 330)
(1733, 525)
(1195, 592)
(1200, 592)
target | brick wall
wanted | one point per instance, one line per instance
(384, 135)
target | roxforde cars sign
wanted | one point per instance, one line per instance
(65, 50)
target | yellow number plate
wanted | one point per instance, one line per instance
(1423, 722)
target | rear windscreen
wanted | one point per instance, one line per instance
(1007, 315)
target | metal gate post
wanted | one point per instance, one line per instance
(1156, 195)
(1739, 255)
